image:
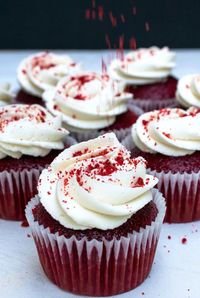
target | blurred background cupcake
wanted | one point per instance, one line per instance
(169, 140)
(147, 75)
(40, 72)
(96, 219)
(92, 103)
(30, 138)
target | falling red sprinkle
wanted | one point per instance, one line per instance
(184, 240)
(108, 43)
(122, 18)
(147, 27)
(169, 237)
(142, 293)
(103, 66)
(28, 235)
(132, 43)
(24, 224)
(87, 14)
(112, 19)
(100, 12)
(93, 14)
(134, 10)
(93, 3)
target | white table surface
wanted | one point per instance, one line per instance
(176, 269)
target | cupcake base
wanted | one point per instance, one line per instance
(179, 181)
(154, 96)
(25, 98)
(97, 267)
(18, 182)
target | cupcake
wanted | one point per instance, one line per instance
(6, 96)
(188, 91)
(96, 219)
(90, 104)
(169, 140)
(40, 72)
(146, 73)
(30, 138)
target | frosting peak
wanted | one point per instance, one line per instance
(172, 132)
(30, 130)
(95, 184)
(143, 66)
(43, 71)
(87, 101)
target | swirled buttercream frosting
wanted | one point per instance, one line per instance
(42, 71)
(87, 101)
(30, 130)
(143, 66)
(95, 184)
(172, 132)
(188, 90)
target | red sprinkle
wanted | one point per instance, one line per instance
(24, 224)
(184, 240)
(147, 27)
(169, 237)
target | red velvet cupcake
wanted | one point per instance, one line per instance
(146, 73)
(29, 140)
(92, 104)
(96, 220)
(40, 72)
(169, 140)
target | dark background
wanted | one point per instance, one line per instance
(61, 24)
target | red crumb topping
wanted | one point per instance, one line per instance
(184, 240)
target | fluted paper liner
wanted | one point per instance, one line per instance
(17, 187)
(120, 133)
(181, 191)
(97, 268)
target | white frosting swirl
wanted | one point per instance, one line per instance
(95, 184)
(87, 101)
(30, 130)
(172, 132)
(6, 95)
(188, 90)
(42, 71)
(143, 66)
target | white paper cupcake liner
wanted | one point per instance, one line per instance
(17, 187)
(181, 191)
(120, 133)
(97, 268)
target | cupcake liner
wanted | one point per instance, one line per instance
(17, 187)
(181, 191)
(120, 133)
(97, 268)
(150, 105)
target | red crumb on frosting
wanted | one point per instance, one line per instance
(79, 153)
(167, 135)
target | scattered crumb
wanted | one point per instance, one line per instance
(24, 224)
(169, 237)
(184, 240)
(28, 235)
(142, 293)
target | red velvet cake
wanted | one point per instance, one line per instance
(168, 140)
(146, 72)
(82, 247)
(30, 138)
(155, 96)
